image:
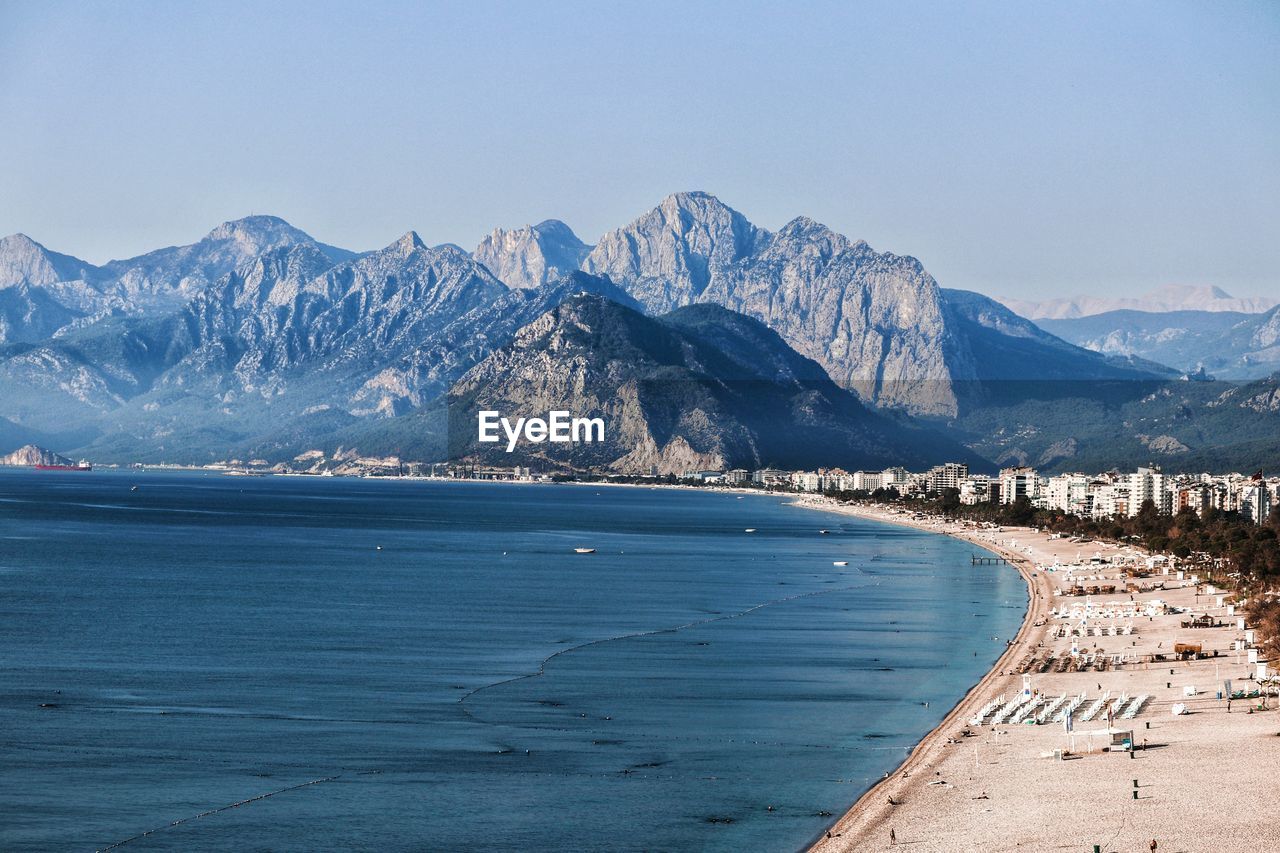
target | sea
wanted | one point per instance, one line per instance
(195, 661)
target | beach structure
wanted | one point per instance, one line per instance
(1107, 673)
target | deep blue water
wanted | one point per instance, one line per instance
(207, 639)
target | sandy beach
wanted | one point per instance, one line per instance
(1205, 780)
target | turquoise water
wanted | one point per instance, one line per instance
(204, 640)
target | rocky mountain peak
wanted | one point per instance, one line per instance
(803, 234)
(23, 260)
(256, 234)
(670, 254)
(694, 212)
(407, 244)
(533, 255)
(19, 243)
(693, 200)
(556, 230)
(802, 225)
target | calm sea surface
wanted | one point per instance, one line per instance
(204, 640)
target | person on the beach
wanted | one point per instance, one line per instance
(1153, 845)
(893, 838)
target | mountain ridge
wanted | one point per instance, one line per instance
(700, 387)
(1227, 344)
(258, 337)
(1173, 297)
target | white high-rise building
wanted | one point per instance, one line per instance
(867, 481)
(895, 478)
(975, 490)
(806, 481)
(1148, 484)
(1020, 482)
(948, 476)
(1255, 501)
(1068, 493)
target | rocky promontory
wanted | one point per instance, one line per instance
(30, 455)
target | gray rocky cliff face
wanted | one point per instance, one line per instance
(290, 313)
(874, 321)
(29, 314)
(532, 256)
(671, 254)
(64, 293)
(1267, 333)
(878, 323)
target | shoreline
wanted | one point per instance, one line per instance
(873, 807)
(1149, 658)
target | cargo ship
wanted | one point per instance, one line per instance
(78, 466)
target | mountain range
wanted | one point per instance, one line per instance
(1173, 297)
(1227, 344)
(258, 340)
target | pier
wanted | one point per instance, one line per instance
(976, 560)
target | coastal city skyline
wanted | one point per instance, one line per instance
(1102, 495)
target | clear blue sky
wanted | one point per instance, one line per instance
(1026, 149)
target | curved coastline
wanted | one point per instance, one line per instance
(873, 808)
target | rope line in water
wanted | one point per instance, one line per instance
(183, 820)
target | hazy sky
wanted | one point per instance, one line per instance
(1025, 149)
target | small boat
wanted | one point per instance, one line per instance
(840, 563)
(750, 530)
(824, 532)
(584, 550)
